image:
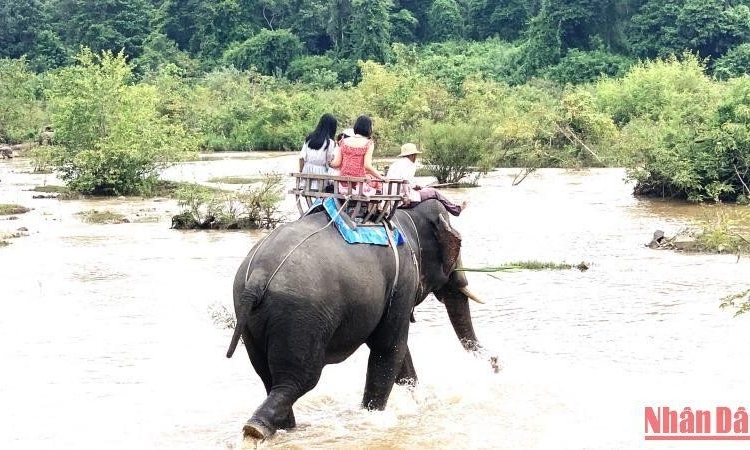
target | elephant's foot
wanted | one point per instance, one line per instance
(257, 430)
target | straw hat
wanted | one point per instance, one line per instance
(409, 149)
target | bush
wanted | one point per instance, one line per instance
(254, 207)
(315, 71)
(455, 151)
(110, 136)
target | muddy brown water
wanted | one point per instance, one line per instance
(106, 340)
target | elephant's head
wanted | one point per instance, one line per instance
(440, 256)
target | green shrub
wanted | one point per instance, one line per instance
(110, 136)
(455, 152)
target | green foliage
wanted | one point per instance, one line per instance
(113, 25)
(42, 158)
(455, 151)
(667, 89)
(320, 72)
(246, 111)
(111, 138)
(735, 63)
(687, 137)
(445, 21)
(397, 101)
(159, 51)
(707, 27)
(452, 62)
(506, 19)
(20, 112)
(19, 27)
(578, 67)
(269, 51)
(368, 31)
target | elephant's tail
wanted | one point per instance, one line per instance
(236, 337)
(249, 300)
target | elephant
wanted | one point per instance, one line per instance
(304, 298)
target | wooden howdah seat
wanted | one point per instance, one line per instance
(360, 210)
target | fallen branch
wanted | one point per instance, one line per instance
(570, 134)
(740, 177)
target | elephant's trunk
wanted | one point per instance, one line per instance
(457, 305)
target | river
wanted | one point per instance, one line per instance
(106, 340)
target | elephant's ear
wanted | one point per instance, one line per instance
(450, 244)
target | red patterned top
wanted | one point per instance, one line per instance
(353, 159)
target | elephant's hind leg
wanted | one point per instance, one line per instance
(408, 375)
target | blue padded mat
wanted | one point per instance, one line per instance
(359, 235)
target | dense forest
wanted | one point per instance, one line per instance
(131, 86)
(571, 40)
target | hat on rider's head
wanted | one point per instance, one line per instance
(409, 149)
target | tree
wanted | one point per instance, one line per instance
(113, 140)
(311, 23)
(735, 63)
(505, 19)
(455, 151)
(20, 23)
(445, 21)
(403, 26)
(158, 51)
(708, 27)
(111, 25)
(368, 34)
(269, 51)
(19, 113)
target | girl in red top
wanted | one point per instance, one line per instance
(354, 158)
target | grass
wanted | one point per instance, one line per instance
(9, 208)
(109, 217)
(166, 188)
(527, 265)
(52, 189)
(235, 180)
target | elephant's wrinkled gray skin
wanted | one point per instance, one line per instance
(325, 298)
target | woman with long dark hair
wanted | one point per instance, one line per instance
(319, 148)
(354, 157)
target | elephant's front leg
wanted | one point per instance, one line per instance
(387, 352)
